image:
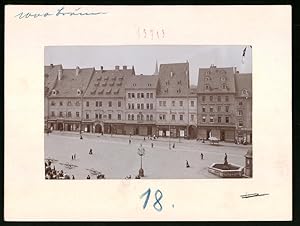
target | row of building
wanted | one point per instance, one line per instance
(117, 101)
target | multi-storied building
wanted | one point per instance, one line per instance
(243, 106)
(141, 105)
(216, 103)
(65, 98)
(104, 101)
(176, 105)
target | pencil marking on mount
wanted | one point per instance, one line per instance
(252, 195)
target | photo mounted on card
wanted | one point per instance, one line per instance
(148, 118)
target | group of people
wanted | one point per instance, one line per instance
(52, 173)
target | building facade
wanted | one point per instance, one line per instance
(141, 105)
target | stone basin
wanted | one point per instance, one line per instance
(226, 171)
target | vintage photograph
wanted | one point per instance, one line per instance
(148, 112)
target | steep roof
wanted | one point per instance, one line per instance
(70, 83)
(108, 83)
(173, 80)
(216, 80)
(243, 82)
(142, 82)
(50, 77)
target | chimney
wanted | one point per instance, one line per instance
(101, 68)
(77, 71)
(51, 65)
(117, 67)
(59, 74)
(124, 67)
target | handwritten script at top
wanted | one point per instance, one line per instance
(59, 12)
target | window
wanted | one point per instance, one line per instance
(138, 106)
(245, 92)
(203, 119)
(211, 109)
(60, 114)
(164, 103)
(138, 95)
(211, 119)
(52, 103)
(147, 95)
(132, 95)
(129, 105)
(69, 114)
(132, 106)
(109, 116)
(172, 74)
(151, 95)
(240, 123)
(132, 117)
(60, 103)
(96, 116)
(192, 103)
(77, 114)
(142, 106)
(77, 103)
(240, 112)
(100, 116)
(69, 103)
(142, 117)
(211, 98)
(219, 119)
(151, 117)
(219, 98)
(87, 104)
(219, 108)
(164, 117)
(224, 86)
(128, 116)
(192, 117)
(181, 117)
(100, 103)
(179, 82)
(52, 113)
(181, 103)
(223, 79)
(207, 78)
(151, 106)
(173, 117)
(203, 98)
(147, 106)
(206, 87)
(119, 116)
(147, 117)
(160, 103)
(109, 103)
(160, 117)
(87, 116)
(173, 103)
(119, 104)
(96, 103)
(129, 96)
(227, 119)
(142, 95)
(227, 108)
(226, 98)
(240, 103)
(203, 108)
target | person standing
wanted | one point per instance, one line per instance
(88, 177)
(187, 164)
(152, 145)
(202, 156)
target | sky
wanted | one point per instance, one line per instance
(144, 57)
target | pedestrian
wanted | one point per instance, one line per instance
(203, 140)
(73, 178)
(72, 157)
(91, 151)
(144, 139)
(88, 177)
(187, 164)
(80, 137)
(129, 141)
(201, 155)
(174, 145)
(152, 145)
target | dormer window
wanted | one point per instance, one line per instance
(223, 79)
(224, 86)
(207, 78)
(172, 74)
(133, 84)
(54, 92)
(245, 92)
(206, 87)
(79, 92)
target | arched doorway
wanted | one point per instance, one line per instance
(98, 128)
(60, 126)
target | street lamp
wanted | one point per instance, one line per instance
(141, 152)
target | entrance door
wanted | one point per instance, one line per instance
(149, 130)
(88, 128)
(222, 137)
(98, 128)
(207, 134)
(137, 131)
(60, 126)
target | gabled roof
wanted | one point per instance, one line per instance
(216, 80)
(243, 82)
(108, 83)
(173, 80)
(142, 82)
(50, 77)
(70, 83)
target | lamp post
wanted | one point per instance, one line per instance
(141, 152)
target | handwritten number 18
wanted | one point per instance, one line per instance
(158, 196)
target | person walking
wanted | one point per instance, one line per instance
(202, 156)
(91, 151)
(129, 141)
(72, 157)
(152, 145)
(174, 145)
(88, 177)
(187, 164)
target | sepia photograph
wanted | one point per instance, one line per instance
(148, 112)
